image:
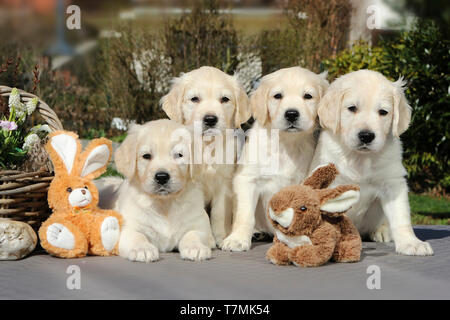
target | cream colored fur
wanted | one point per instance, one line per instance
(377, 167)
(157, 219)
(253, 186)
(193, 96)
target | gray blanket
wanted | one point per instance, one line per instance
(235, 276)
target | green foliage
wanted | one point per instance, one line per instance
(16, 139)
(360, 56)
(429, 210)
(422, 57)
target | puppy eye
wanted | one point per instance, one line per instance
(307, 96)
(147, 156)
(86, 187)
(195, 99)
(178, 155)
(69, 189)
(224, 99)
(303, 208)
(278, 96)
(352, 109)
(382, 112)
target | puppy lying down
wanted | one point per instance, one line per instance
(161, 205)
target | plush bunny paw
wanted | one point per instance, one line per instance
(110, 232)
(59, 236)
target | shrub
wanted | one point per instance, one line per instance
(316, 29)
(202, 37)
(422, 57)
(128, 75)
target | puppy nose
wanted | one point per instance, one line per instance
(366, 136)
(291, 115)
(162, 177)
(210, 120)
(83, 191)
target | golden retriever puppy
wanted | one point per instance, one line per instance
(285, 107)
(162, 207)
(212, 102)
(363, 114)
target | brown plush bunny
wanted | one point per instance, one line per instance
(310, 225)
(77, 227)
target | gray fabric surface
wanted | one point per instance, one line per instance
(236, 276)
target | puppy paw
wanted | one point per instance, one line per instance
(110, 232)
(195, 252)
(414, 248)
(236, 243)
(219, 241)
(382, 234)
(59, 236)
(145, 253)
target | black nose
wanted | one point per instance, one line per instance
(291, 115)
(162, 177)
(366, 136)
(210, 120)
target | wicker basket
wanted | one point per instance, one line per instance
(23, 195)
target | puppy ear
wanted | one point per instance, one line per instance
(242, 111)
(337, 201)
(258, 104)
(94, 160)
(323, 84)
(402, 110)
(171, 102)
(322, 176)
(63, 148)
(125, 155)
(329, 110)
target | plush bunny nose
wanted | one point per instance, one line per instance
(80, 197)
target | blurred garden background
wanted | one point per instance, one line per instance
(118, 64)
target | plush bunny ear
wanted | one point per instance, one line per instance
(94, 160)
(322, 176)
(338, 200)
(63, 148)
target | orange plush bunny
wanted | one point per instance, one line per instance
(77, 226)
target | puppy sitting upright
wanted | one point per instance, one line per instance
(161, 206)
(286, 104)
(364, 114)
(212, 101)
